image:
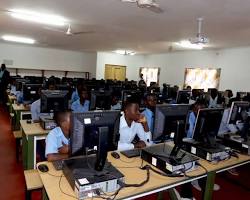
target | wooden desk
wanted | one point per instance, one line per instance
(30, 134)
(133, 174)
(17, 111)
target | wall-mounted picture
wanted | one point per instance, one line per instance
(202, 78)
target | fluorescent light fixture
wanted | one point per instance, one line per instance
(189, 45)
(125, 52)
(13, 38)
(38, 17)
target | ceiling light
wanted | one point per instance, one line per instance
(125, 52)
(38, 17)
(189, 45)
(13, 38)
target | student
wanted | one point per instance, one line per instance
(115, 104)
(35, 107)
(192, 116)
(150, 102)
(75, 94)
(133, 124)
(57, 141)
(82, 104)
(214, 99)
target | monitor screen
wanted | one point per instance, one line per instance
(207, 124)
(238, 112)
(31, 92)
(167, 117)
(183, 97)
(53, 101)
(100, 100)
(85, 130)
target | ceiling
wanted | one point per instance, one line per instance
(118, 25)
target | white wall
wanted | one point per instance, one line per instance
(234, 64)
(133, 63)
(46, 58)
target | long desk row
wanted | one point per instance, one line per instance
(57, 186)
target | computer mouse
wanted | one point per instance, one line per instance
(43, 168)
(115, 155)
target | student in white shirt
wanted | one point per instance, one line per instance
(133, 123)
(57, 141)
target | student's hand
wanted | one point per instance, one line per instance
(64, 149)
(140, 144)
(142, 119)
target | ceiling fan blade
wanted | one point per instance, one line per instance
(54, 29)
(129, 1)
(83, 32)
(155, 8)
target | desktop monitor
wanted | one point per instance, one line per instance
(207, 125)
(127, 95)
(100, 100)
(167, 119)
(183, 97)
(53, 101)
(96, 130)
(35, 79)
(31, 92)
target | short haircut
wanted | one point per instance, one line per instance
(129, 102)
(149, 95)
(60, 116)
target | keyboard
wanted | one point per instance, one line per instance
(131, 153)
(58, 164)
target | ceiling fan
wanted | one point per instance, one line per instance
(148, 4)
(69, 31)
(200, 38)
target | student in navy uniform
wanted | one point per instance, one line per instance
(150, 103)
(57, 141)
(133, 124)
(82, 104)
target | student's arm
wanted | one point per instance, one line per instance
(56, 156)
(124, 142)
(143, 133)
(191, 121)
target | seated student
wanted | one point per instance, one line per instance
(75, 94)
(115, 104)
(214, 99)
(133, 124)
(57, 141)
(199, 104)
(82, 104)
(150, 102)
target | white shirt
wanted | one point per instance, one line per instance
(127, 134)
(213, 102)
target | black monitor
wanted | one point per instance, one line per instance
(53, 101)
(97, 130)
(31, 92)
(100, 100)
(207, 125)
(127, 95)
(167, 119)
(183, 97)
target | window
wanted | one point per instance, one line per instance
(150, 75)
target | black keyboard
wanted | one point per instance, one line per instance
(131, 153)
(58, 164)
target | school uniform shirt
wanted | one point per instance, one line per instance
(213, 102)
(19, 97)
(150, 118)
(74, 96)
(191, 121)
(13, 89)
(78, 107)
(116, 107)
(55, 140)
(127, 134)
(35, 109)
